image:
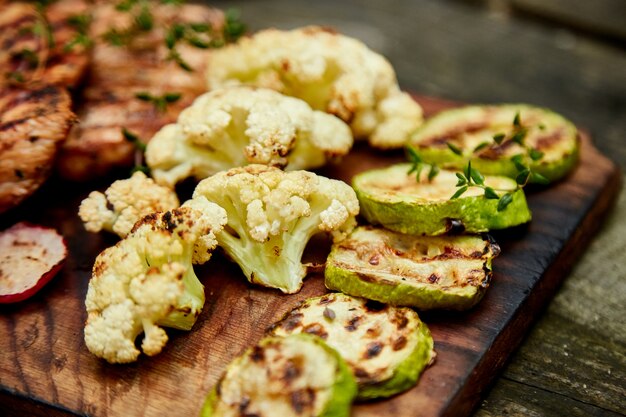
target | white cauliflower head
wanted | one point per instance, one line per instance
(237, 126)
(147, 280)
(330, 71)
(124, 203)
(272, 214)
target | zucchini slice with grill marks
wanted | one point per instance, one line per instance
(393, 198)
(426, 272)
(386, 347)
(471, 129)
(297, 376)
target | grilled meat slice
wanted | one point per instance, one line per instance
(118, 73)
(32, 123)
(39, 45)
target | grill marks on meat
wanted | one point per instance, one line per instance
(26, 56)
(32, 123)
(96, 145)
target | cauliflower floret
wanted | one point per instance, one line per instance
(125, 202)
(331, 72)
(147, 281)
(237, 126)
(272, 214)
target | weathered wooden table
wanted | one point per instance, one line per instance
(567, 55)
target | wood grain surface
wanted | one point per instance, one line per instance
(46, 370)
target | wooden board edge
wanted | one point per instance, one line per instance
(508, 341)
(15, 404)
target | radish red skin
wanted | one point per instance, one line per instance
(44, 239)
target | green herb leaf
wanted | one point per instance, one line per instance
(434, 171)
(144, 96)
(498, 138)
(200, 27)
(477, 176)
(519, 136)
(172, 97)
(459, 192)
(539, 179)
(142, 168)
(79, 39)
(522, 177)
(491, 194)
(454, 148)
(125, 5)
(134, 139)
(468, 172)
(481, 146)
(198, 43)
(175, 56)
(505, 200)
(516, 120)
(535, 154)
(462, 180)
(518, 160)
(412, 155)
(144, 20)
(234, 28)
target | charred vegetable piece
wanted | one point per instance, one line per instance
(492, 135)
(298, 375)
(447, 272)
(386, 347)
(30, 256)
(393, 198)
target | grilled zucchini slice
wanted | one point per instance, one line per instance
(471, 129)
(297, 375)
(393, 198)
(386, 347)
(426, 272)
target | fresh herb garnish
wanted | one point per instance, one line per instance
(160, 102)
(417, 165)
(234, 27)
(81, 23)
(523, 160)
(134, 139)
(140, 149)
(471, 177)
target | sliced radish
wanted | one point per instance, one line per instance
(30, 256)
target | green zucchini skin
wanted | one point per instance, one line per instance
(404, 346)
(408, 373)
(418, 216)
(559, 159)
(380, 283)
(342, 393)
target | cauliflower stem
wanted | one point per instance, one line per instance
(272, 215)
(147, 281)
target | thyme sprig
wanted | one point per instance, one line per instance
(140, 149)
(143, 21)
(471, 177)
(81, 23)
(160, 102)
(202, 35)
(417, 165)
(522, 161)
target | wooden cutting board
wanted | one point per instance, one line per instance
(45, 369)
